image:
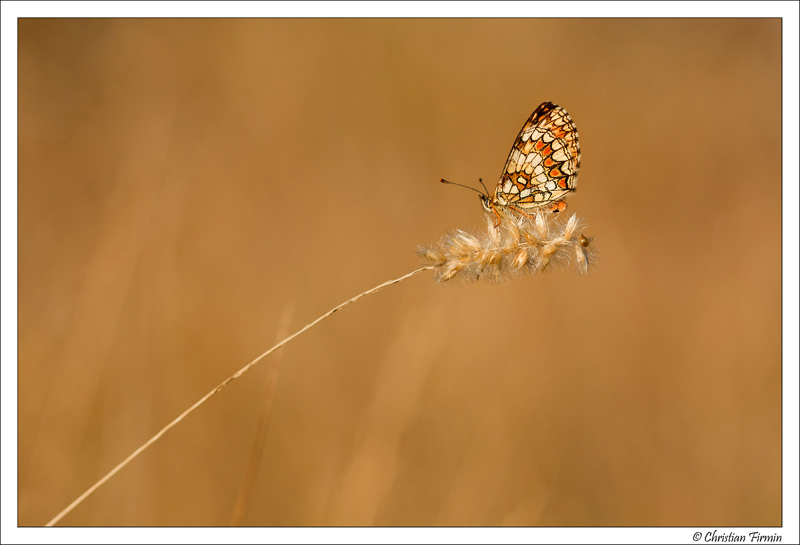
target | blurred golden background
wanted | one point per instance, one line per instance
(183, 184)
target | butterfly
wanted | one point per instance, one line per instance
(542, 167)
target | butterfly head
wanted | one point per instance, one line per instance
(486, 202)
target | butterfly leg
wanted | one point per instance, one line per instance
(524, 214)
(552, 208)
(497, 216)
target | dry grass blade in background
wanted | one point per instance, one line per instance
(240, 510)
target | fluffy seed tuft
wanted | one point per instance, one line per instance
(518, 245)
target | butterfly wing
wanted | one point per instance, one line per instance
(542, 167)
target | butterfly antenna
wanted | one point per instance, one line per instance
(468, 187)
(484, 185)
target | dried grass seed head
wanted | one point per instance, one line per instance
(518, 245)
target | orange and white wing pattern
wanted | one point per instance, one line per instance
(542, 167)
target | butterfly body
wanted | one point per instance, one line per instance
(542, 167)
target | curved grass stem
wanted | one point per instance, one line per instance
(222, 385)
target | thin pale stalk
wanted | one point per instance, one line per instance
(222, 385)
